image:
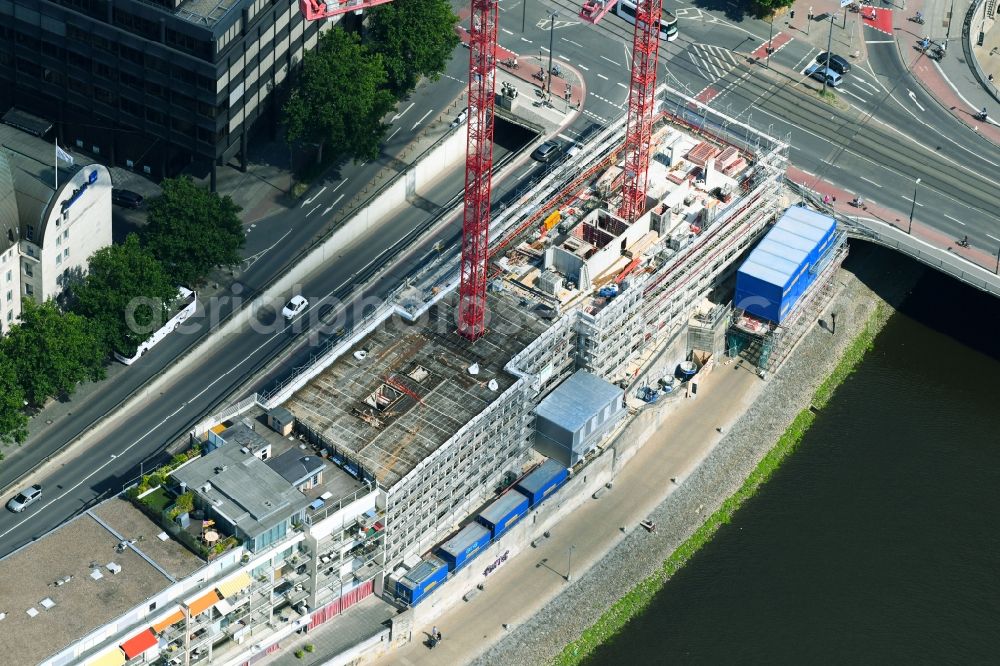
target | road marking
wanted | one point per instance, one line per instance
(848, 92)
(402, 113)
(603, 77)
(417, 124)
(628, 56)
(337, 201)
(564, 58)
(564, 137)
(393, 134)
(528, 41)
(543, 49)
(993, 237)
(506, 31)
(616, 64)
(309, 201)
(318, 206)
(880, 41)
(622, 85)
(525, 172)
(572, 42)
(583, 67)
(913, 96)
(910, 199)
(956, 220)
(339, 186)
(869, 181)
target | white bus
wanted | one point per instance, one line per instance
(668, 22)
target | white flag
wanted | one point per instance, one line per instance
(63, 155)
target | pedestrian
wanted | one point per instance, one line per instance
(990, 77)
(437, 635)
(434, 632)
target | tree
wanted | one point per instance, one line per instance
(339, 98)
(51, 351)
(125, 293)
(415, 38)
(13, 420)
(192, 230)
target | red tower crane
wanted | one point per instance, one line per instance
(641, 107)
(478, 168)
(479, 150)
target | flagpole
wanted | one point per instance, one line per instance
(57, 165)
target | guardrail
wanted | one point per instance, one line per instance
(899, 240)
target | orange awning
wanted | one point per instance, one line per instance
(173, 618)
(203, 603)
(136, 645)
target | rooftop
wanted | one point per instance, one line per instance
(205, 12)
(242, 487)
(779, 257)
(32, 165)
(50, 596)
(407, 389)
(577, 400)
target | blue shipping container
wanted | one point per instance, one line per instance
(777, 272)
(421, 579)
(543, 481)
(462, 547)
(504, 512)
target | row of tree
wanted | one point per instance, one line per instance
(351, 81)
(124, 297)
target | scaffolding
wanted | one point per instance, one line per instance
(765, 345)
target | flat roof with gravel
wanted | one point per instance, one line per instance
(63, 586)
(406, 389)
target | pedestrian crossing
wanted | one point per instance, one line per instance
(712, 62)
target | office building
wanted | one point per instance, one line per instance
(151, 85)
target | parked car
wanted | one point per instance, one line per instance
(837, 64)
(126, 198)
(460, 119)
(25, 498)
(546, 152)
(821, 73)
(294, 307)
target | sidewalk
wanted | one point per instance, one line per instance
(841, 202)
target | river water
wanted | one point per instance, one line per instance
(878, 541)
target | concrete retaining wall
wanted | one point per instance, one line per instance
(545, 518)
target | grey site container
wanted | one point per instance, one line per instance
(464, 546)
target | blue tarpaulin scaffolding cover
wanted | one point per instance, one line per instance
(777, 272)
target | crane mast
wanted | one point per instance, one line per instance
(641, 108)
(478, 168)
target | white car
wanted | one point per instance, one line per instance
(294, 307)
(23, 499)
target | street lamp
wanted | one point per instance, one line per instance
(997, 271)
(552, 28)
(829, 46)
(770, 38)
(569, 564)
(913, 206)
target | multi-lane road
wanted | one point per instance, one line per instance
(882, 134)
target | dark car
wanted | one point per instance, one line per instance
(837, 63)
(126, 198)
(546, 152)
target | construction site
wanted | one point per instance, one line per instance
(441, 423)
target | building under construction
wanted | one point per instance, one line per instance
(440, 423)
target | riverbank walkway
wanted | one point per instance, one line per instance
(523, 585)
